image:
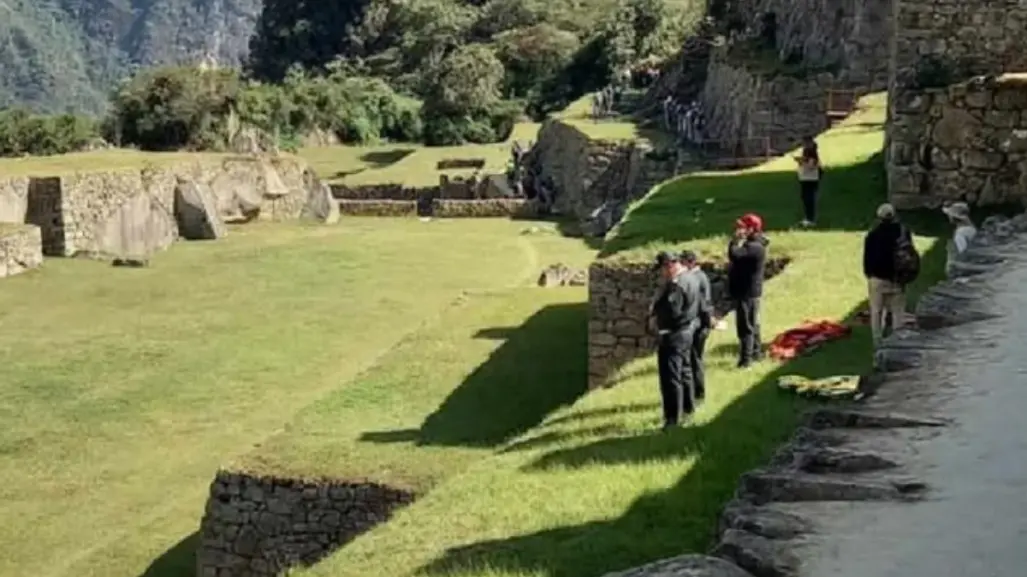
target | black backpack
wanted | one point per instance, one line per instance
(907, 259)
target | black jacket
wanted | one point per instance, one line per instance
(879, 249)
(747, 265)
(677, 306)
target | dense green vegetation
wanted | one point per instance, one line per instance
(442, 72)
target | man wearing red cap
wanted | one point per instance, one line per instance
(747, 256)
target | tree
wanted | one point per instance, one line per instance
(468, 80)
(533, 55)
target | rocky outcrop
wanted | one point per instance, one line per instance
(619, 296)
(966, 141)
(196, 212)
(21, 249)
(320, 205)
(259, 526)
(562, 275)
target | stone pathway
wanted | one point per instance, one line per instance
(928, 475)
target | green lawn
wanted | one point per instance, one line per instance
(97, 160)
(123, 390)
(594, 488)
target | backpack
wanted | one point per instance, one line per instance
(907, 259)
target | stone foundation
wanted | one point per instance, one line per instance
(21, 249)
(619, 296)
(485, 208)
(382, 192)
(262, 526)
(378, 207)
(967, 141)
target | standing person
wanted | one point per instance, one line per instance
(702, 332)
(888, 271)
(676, 313)
(747, 256)
(959, 215)
(809, 180)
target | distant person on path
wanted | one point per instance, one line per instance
(747, 256)
(809, 180)
(702, 332)
(676, 312)
(959, 215)
(888, 267)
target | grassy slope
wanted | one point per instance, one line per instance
(123, 390)
(593, 489)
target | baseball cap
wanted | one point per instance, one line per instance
(750, 220)
(885, 211)
(689, 257)
(663, 259)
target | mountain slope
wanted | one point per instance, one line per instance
(58, 55)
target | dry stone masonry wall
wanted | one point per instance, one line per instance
(619, 296)
(21, 249)
(965, 141)
(941, 138)
(261, 526)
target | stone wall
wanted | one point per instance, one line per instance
(483, 208)
(619, 296)
(965, 141)
(110, 213)
(745, 107)
(382, 192)
(594, 179)
(940, 42)
(261, 526)
(21, 248)
(378, 207)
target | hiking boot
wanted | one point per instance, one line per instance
(744, 364)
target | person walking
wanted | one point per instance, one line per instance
(702, 332)
(809, 180)
(959, 215)
(676, 312)
(747, 256)
(885, 272)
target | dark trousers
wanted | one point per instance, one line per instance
(808, 192)
(674, 359)
(698, 363)
(747, 324)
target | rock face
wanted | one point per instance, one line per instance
(139, 227)
(21, 249)
(619, 296)
(562, 275)
(588, 173)
(196, 212)
(261, 526)
(685, 566)
(320, 205)
(966, 141)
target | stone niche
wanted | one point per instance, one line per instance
(967, 141)
(258, 526)
(619, 296)
(21, 248)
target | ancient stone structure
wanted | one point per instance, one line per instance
(131, 213)
(482, 208)
(619, 296)
(594, 180)
(378, 207)
(258, 526)
(967, 141)
(21, 248)
(562, 275)
(381, 192)
(852, 464)
(939, 138)
(196, 212)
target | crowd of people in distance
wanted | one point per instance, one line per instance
(687, 122)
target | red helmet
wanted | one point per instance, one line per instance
(751, 221)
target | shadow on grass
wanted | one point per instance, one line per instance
(539, 367)
(178, 561)
(383, 158)
(682, 518)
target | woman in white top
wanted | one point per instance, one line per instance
(959, 215)
(809, 180)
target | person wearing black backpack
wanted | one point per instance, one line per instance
(890, 263)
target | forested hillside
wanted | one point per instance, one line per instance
(58, 55)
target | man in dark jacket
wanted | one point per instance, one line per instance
(747, 256)
(886, 296)
(702, 332)
(676, 311)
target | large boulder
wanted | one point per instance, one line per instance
(140, 227)
(196, 212)
(273, 185)
(320, 205)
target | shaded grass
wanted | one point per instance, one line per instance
(593, 489)
(124, 389)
